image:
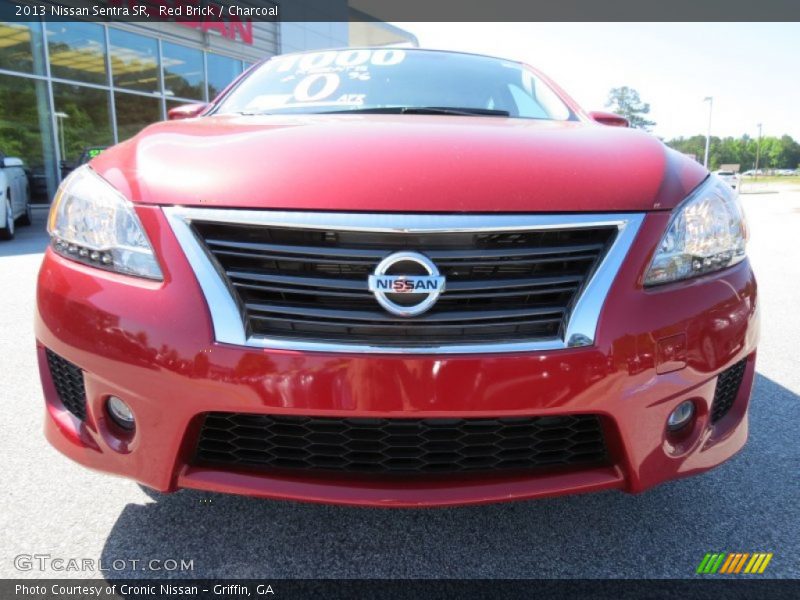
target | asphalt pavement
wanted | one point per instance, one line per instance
(54, 508)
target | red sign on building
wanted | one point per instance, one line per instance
(186, 12)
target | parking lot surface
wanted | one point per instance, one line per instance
(54, 507)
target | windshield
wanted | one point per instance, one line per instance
(393, 79)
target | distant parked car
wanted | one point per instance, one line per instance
(38, 182)
(89, 153)
(15, 196)
(729, 177)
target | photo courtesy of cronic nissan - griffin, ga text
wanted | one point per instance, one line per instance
(396, 277)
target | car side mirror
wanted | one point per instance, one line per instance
(187, 111)
(610, 119)
(10, 162)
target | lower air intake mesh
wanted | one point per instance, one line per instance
(728, 383)
(68, 381)
(410, 446)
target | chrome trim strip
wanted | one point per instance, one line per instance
(227, 318)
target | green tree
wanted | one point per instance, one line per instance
(788, 155)
(626, 102)
(694, 145)
(776, 153)
(20, 135)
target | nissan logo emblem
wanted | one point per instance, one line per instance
(406, 284)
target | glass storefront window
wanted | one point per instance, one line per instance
(25, 131)
(77, 51)
(175, 104)
(183, 71)
(221, 71)
(91, 61)
(134, 113)
(134, 61)
(83, 120)
(21, 47)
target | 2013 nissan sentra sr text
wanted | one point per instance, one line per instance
(396, 277)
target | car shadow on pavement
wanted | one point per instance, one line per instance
(748, 504)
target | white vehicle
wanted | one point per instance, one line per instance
(15, 196)
(729, 177)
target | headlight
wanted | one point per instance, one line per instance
(707, 233)
(92, 223)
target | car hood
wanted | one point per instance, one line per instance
(413, 163)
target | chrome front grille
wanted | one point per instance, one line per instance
(312, 284)
(299, 280)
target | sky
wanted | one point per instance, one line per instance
(752, 70)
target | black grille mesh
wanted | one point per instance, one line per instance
(68, 381)
(312, 284)
(728, 383)
(402, 446)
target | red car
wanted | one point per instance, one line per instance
(396, 277)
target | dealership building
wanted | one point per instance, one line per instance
(69, 86)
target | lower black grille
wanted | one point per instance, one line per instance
(399, 446)
(68, 381)
(312, 284)
(728, 383)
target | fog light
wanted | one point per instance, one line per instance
(680, 417)
(120, 413)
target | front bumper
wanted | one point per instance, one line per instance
(152, 344)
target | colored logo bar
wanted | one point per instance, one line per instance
(733, 563)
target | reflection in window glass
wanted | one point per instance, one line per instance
(525, 103)
(134, 113)
(82, 117)
(134, 61)
(221, 71)
(25, 131)
(21, 47)
(174, 104)
(77, 51)
(394, 79)
(183, 71)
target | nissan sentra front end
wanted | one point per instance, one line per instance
(421, 308)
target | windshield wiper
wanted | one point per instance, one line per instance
(423, 110)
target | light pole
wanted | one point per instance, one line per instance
(60, 116)
(710, 101)
(758, 151)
